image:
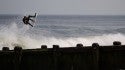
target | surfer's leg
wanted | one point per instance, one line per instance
(30, 24)
(32, 20)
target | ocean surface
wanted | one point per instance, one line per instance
(63, 30)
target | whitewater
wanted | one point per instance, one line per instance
(65, 31)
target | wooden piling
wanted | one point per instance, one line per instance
(79, 45)
(44, 47)
(55, 55)
(5, 49)
(116, 43)
(18, 54)
(95, 47)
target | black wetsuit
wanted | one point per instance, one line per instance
(26, 19)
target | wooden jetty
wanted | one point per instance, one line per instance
(81, 57)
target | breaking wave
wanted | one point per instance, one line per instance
(13, 35)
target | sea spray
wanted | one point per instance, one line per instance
(12, 36)
(64, 32)
(86, 41)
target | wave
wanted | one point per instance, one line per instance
(12, 35)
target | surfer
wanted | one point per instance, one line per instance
(27, 19)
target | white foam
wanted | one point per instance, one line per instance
(87, 41)
(11, 36)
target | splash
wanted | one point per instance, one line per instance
(12, 35)
(86, 41)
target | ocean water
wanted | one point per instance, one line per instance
(63, 30)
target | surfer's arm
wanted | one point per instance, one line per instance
(32, 16)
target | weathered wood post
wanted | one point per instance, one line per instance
(79, 45)
(5, 49)
(116, 58)
(17, 54)
(5, 60)
(78, 61)
(55, 55)
(43, 46)
(95, 47)
(115, 43)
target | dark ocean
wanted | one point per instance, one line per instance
(63, 30)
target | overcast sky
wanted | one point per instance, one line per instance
(63, 7)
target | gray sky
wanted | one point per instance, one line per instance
(63, 7)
